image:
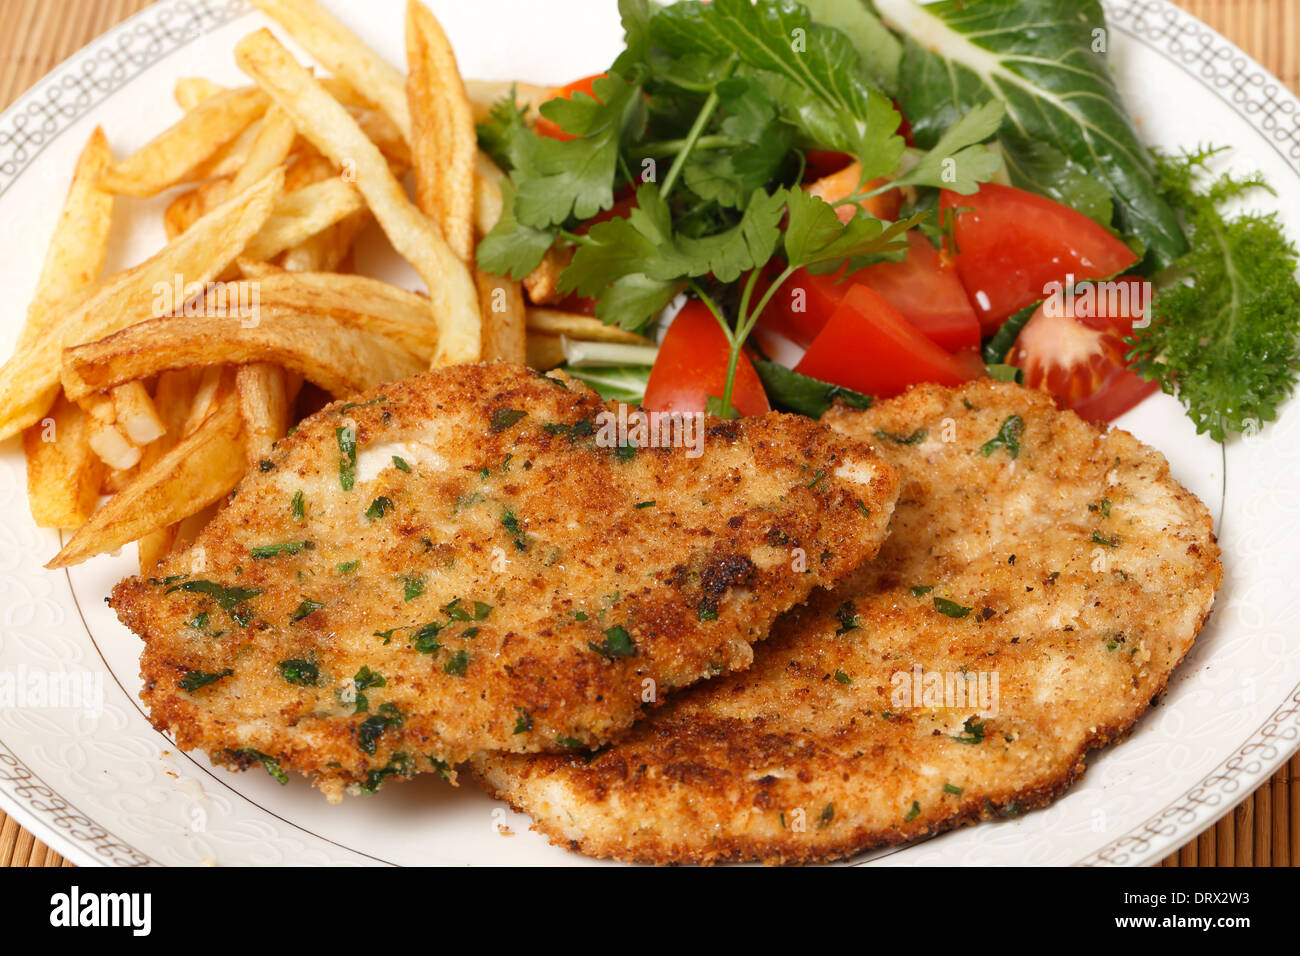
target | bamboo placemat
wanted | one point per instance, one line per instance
(1263, 830)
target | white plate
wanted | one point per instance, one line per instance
(102, 787)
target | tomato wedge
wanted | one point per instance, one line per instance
(1012, 244)
(545, 127)
(820, 163)
(869, 347)
(1074, 349)
(803, 305)
(926, 290)
(844, 183)
(692, 365)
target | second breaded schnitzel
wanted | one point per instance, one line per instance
(1041, 581)
(461, 562)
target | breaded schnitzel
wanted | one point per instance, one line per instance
(460, 562)
(1041, 580)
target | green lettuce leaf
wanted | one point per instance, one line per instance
(1044, 59)
(812, 71)
(880, 50)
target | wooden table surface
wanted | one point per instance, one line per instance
(1263, 830)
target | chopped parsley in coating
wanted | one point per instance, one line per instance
(347, 440)
(951, 608)
(915, 438)
(308, 606)
(618, 643)
(1008, 437)
(298, 671)
(193, 680)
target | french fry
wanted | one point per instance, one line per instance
(63, 472)
(155, 545)
(307, 170)
(343, 53)
(336, 355)
(136, 414)
(347, 94)
(227, 160)
(201, 469)
(544, 352)
(356, 301)
(303, 172)
(488, 202)
(383, 132)
(29, 380)
(264, 401)
(189, 527)
(109, 442)
(79, 245)
(116, 479)
(274, 140)
(190, 91)
(501, 300)
(256, 268)
(99, 407)
(543, 283)
(443, 140)
(302, 214)
(204, 402)
(453, 297)
(233, 156)
(502, 303)
(582, 327)
(173, 397)
(189, 207)
(165, 160)
(325, 251)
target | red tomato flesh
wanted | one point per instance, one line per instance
(926, 290)
(1012, 244)
(800, 309)
(923, 288)
(820, 163)
(869, 347)
(692, 365)
(1077, 353)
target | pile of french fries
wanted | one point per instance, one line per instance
(161, 385)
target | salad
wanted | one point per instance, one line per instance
(805, 201)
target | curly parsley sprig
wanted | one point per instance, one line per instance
(1224, 326)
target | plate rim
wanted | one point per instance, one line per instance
(37, 117)
(1166, 29)
(30, 124)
